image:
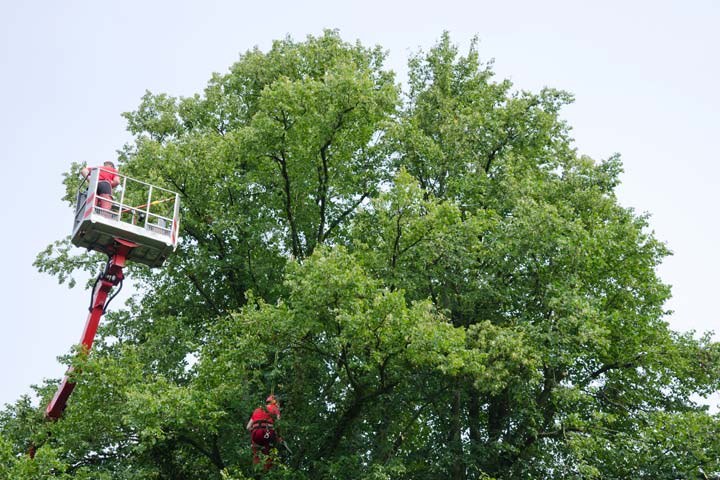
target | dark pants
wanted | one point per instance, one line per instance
(263, 439)
(104, 191)
(104, 188)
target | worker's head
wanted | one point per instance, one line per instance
(109, 164)
(271, 399)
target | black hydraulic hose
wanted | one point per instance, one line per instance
(113, 296)
(100, 275)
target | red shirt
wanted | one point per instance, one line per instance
(267, 414)
(107, 174)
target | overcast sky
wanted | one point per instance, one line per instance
(645, 75)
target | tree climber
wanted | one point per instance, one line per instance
(262, 429)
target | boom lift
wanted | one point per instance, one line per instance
(146, 233)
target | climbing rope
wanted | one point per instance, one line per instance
(274, 373)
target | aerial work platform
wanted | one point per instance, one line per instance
(137, 222)
(141, 213)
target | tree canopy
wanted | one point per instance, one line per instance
(434, 280)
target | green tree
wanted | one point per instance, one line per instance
(436, 283)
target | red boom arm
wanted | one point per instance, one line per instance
(111, 277)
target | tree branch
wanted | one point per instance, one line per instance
(612, 366)
(282, 163)
(212, 454)
(345, 213)
(193, 278)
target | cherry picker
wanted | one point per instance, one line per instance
(141, 225)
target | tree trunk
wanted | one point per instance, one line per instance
(457, 468)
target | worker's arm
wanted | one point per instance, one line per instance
(85, 172)
(249, 424)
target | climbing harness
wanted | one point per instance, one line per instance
(268, 426)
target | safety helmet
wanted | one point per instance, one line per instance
(271, 399)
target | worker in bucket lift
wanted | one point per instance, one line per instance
(262, 429)
(107, 180)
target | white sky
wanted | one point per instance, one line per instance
(645, 74)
